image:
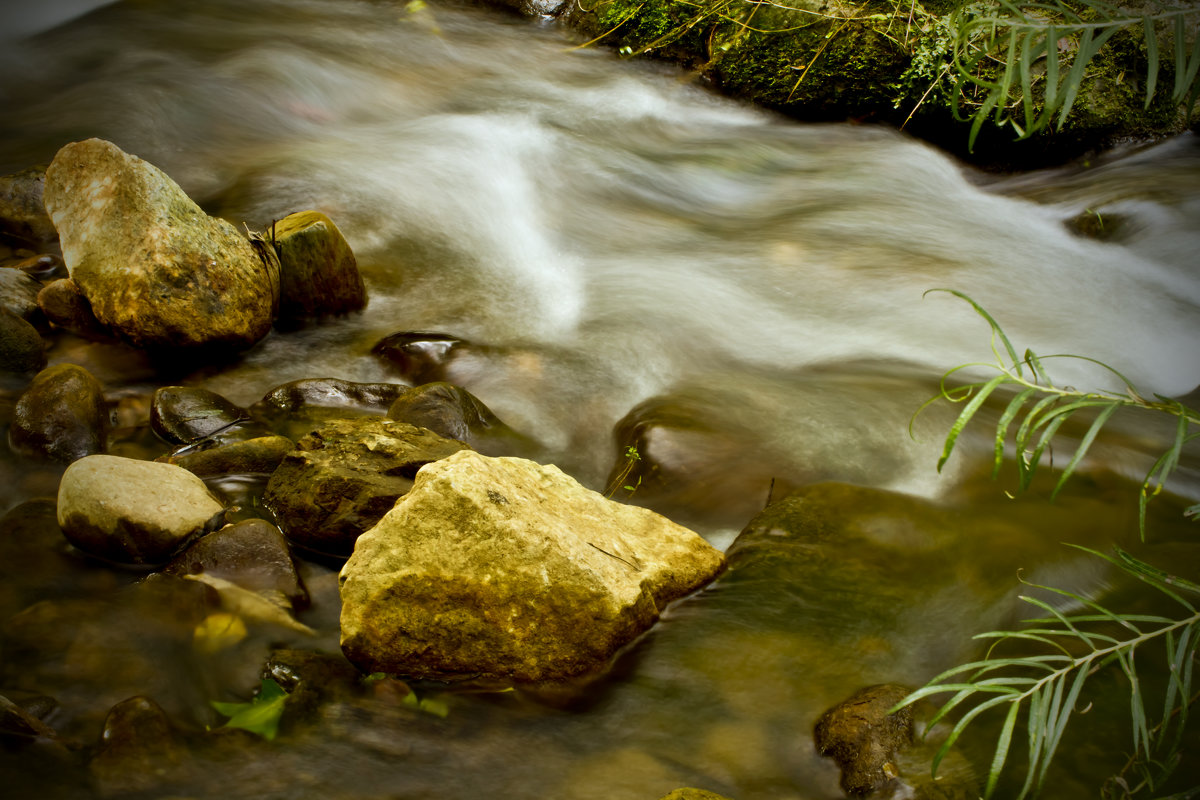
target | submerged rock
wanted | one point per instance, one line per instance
(253, 554)
(154, 267)
(505, 569)
(318, 273)
(689, 793)
(139, 749)
(62, 415)
(44, 267)
(331, 392)
(863, 738)
(21, 346)
(345, 475)
(132, 512)
(19, 292)
(22, 213)
(64, 304)
(186, 414)
(419, 357)
(455, 413)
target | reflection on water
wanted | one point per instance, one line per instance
(614, 241)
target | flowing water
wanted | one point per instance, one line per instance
(609, 236)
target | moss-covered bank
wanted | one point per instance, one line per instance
(872, 61)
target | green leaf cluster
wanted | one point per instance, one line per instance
(1045, 687)
(261, 715)
(1022, 64)
(1039, 671)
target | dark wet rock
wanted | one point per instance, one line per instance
(345, 475)
(1094, 225)
(318, 273)
(508, 570)
(92, 653)
(22, 214)
(132, 512)
(455, 413)
(37, 563)
(21, 725)
(252, 554)
(688, 793)
(154, 267)
(259, 456)
(330, 392)
(62, 415)
(21, 346)
(64, 304)
(139, 749)
(419, 357)
(186, 414)
(19, 292)
(311, 679)
(45, 267)
(863, 738)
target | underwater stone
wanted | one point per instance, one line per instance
(154, 267)
(863, 738)
(455, 413)
(419, 357)
(325, 392)
(138, 749)
(509, 570)
(252, 553)
(19, 292)
(22, 213)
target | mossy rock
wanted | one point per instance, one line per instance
(876, 62)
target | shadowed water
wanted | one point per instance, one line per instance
(608, 234)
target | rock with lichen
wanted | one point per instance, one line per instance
(155, 269)
(507, 570)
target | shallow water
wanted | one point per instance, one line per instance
(608, 234)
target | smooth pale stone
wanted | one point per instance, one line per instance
(135, 512)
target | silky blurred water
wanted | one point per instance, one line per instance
(608, 233)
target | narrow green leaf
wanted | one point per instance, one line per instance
(997, 331)
(1036, 729)
(1180, 58)
(1082, 449)
(969, 411)
(1055, 734)
(1056, 419)
(1011, 410)
(1001, 754)
(1083, 54)
(1024, 71)
(1006, 80)
(1151, 58)
(962, 724)
(1050, 100)
(992, 101)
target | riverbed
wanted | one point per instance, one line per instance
(619, 245)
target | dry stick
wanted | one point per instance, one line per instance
(630, 16)
(820, 50)
(936, 81)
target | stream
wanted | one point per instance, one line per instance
(620, 246)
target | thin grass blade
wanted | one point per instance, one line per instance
(1084, 444)
(1151, 58)
(1001, 754)
(967, 413)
